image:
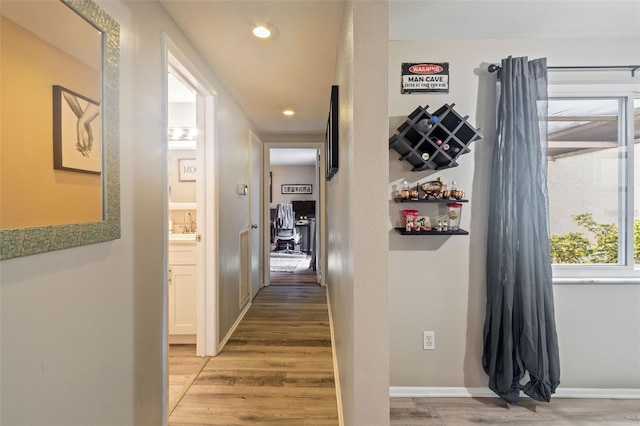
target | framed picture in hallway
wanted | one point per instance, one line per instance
(296, 189)
(331, 137)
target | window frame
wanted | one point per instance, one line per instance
(629, 272)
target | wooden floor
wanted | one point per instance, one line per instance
(277, 367)
(306, 276)
(494, 411)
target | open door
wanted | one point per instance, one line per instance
(255, 207)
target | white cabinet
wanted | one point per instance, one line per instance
(182, 288)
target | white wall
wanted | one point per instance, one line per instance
(356, 217)
(283, 175)
(438, 283)
(81, 329)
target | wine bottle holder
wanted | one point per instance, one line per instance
(422, 149)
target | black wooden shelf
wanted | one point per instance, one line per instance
(402, 231)
(436, 146)
(424, 200)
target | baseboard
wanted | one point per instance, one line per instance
(424, 392)
(182, 339)
(336, 375)
(233, 327)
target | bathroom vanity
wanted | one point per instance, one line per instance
(182, 288)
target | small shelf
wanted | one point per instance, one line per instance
(423, 200)
(402, 231)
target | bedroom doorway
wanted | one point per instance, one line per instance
(294, 215)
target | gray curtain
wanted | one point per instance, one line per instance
(519, 329)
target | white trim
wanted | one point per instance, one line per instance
(234, 326)
(620, 280)
(606, 274)
(212, 226)
(336, 375)
(453, 392)
(207, 299)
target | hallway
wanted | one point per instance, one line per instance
(277, 367)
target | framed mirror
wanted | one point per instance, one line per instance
(59, 153)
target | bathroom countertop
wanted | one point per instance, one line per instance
(182, 237)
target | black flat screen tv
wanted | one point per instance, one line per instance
(304, 208)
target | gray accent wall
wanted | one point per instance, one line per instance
(438, 283)
(357, 216)
(81, 329)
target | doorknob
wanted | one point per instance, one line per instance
(254, 226)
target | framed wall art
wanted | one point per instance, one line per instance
(331, 137)
(77, 138)
(296, 189)
(187, 170)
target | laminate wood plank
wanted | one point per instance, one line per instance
(473, 411)
(184, 365)
(299, 277)
(290, 365)
(277, 367)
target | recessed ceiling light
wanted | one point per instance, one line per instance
(288, 112)
(261, 32)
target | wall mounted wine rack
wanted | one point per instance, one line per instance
(434, 143)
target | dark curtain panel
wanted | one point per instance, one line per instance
(519, 329)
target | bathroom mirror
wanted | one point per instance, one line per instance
(59, 155)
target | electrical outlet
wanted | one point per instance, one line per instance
(428, 340)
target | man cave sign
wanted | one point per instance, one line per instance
(425, 77)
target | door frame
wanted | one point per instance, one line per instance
(207, 147)
(320, 207)
(253, 137)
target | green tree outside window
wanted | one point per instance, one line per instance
(602, 247)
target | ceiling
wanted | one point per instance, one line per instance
(295, 69)
(293, 156)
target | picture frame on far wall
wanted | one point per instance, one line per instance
(331, 137)
(296, 189)
(187, 170)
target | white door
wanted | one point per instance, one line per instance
(191, 119)
(255, 207)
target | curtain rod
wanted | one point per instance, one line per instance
(493, 68)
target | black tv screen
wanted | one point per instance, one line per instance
(304, 208)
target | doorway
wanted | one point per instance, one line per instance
(294, 213)
(189, 252)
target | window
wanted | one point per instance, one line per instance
(593, 183)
